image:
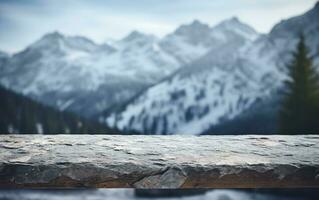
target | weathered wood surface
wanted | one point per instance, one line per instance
(159, 161)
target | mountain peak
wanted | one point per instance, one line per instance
(233, 19)
(306, 22)
(230, 23)
(197, 23)
(235, 25)
(48, 40)
(136, 35)
(195, 26)
(53, 35)
(314, 12)
(194, 23)
(316, 9)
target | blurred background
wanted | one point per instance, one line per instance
(128, 194)
(159, 67)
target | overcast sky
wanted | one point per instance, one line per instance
(24, 21)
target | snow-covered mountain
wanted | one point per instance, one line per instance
(192, 41)
(229, 81)
(75, 74)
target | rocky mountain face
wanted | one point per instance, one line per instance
(197, 80)
(190, 42)
(227, 85)
(262, 116)
(75, 74)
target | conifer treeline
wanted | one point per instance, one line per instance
(299, 113)
(19, 114)
(300, 108)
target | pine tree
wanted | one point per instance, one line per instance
(300, 108)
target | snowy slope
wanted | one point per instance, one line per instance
(221, 85)
(75, 74)
(192, 41)
(262, 117)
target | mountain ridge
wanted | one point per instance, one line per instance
(75, 74)
(229, 83)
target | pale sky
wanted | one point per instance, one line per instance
(24, 21)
